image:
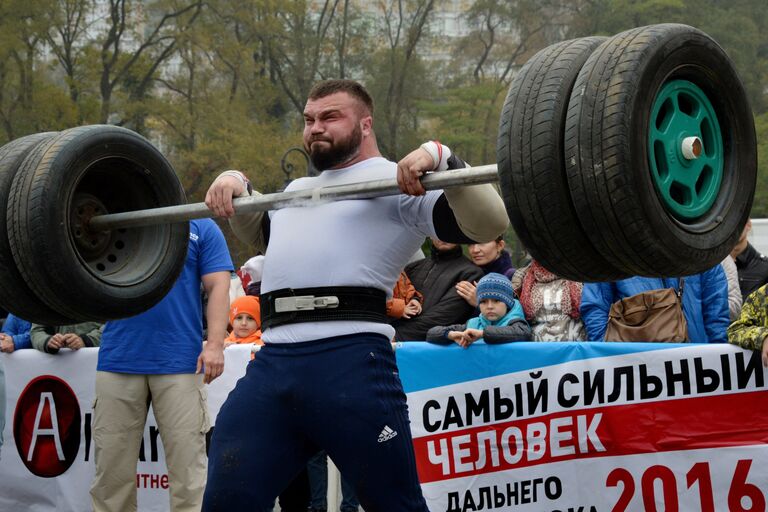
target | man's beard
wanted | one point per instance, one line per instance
(336, 153)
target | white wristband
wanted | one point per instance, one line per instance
(439, 153)
(239, 175)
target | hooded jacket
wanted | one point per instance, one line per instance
(403, 293)
(705, 303)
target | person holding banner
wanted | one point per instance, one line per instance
(52, 338)
(326, 377)
(15, 334)
(436, 277)
(751, 265)
(501, 317)
(750, 331)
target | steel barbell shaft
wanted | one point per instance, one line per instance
(361, 190)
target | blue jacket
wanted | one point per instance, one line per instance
(705, 303)
(17, 329)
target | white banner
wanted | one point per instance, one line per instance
(549, 427)
(588, 426)
(49, 414)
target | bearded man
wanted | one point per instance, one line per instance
(326, 376)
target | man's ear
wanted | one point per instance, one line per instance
(366, 125)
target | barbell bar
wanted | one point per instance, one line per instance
(362, 190)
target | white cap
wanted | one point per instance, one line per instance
(253, 267)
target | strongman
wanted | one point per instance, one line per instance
(326, 376)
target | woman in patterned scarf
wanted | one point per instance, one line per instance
(551, 304)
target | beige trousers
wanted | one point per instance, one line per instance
(119, 415)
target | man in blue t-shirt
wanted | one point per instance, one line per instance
(158, 357)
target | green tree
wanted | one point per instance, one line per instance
(760, 204)
(739, 26)
(24, 81)
(502, 35)
(608, 17)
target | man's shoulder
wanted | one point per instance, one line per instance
(760, 259)
(473, 270)
(752, 269)
(460, 266)
(203, 228)
(414, 265)
(751, 258)
(758, 300)
(301, 183)
(466, 264)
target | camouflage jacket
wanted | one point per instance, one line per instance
(751, 328)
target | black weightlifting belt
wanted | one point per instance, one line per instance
(294, 305)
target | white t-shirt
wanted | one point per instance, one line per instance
(364, 242)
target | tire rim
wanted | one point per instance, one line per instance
(121, 257)
(685, 147)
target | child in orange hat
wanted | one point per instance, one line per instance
(245, 319)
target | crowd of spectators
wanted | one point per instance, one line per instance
(441, 290)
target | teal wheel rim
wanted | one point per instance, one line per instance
(685, 150)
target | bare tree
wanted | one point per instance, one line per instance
(120, 55)
(295, 53)
(67, 37)
(405, 22)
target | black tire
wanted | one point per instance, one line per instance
(617, 196)
(85, 275)
(15, 294)
(532, 168)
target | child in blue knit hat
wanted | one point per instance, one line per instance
(501, 317)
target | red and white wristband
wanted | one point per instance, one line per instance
(439, 153)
